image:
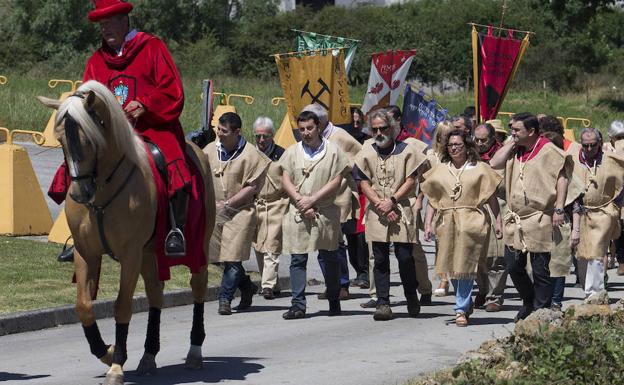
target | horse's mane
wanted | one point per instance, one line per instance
(126, 140)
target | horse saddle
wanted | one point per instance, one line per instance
(159, 159)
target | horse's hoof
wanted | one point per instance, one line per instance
(114, 379)
(147, 365)
(107, 359)
(194, 362)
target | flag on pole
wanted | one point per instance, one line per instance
(318, 77)
(387, 78)
(495, 63)
(311, 41)
(420, 116)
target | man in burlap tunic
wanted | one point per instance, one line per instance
(347, 198)
(238, 175)
(271, 205)
(312, 173)
(536, 181)
(616, 144)
(602, 175)
(388, 170)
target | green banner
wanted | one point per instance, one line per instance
(314, 41)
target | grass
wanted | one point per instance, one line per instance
(31, 278)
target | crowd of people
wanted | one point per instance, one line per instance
(525, 203)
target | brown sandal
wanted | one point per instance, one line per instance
(461, 320)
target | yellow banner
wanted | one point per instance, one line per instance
(318, 77)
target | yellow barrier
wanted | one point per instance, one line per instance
(23, 210)
(48, 133)
(3, 81)
(568, 132)
(60, 230)
(284, 136)
(225, 106)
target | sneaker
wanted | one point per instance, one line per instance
(383, 313)
(620, 270)
(413, 306)
(479, 301)
(344, 293)
(370, 304)
(267, 293)
(355, 282)
(294, 313)
(555, 307)
(247, 296)
(425, 299)
(334, 308)
(461, 320)
(225, 308)
(442, 290)
(493, 307)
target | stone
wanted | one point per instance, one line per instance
(541, 320)
(584, 311)
(599, 298)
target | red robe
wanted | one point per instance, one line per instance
(145, 72)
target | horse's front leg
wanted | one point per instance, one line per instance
(199, 282)
(154, 291)
(130, 268)
(87, 268)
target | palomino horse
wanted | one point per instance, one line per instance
(111, 173)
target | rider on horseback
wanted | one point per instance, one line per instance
(139, 71)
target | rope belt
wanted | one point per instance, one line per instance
(513, 217)
(585, 209)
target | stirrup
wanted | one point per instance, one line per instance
(177, 249)
(67, 254)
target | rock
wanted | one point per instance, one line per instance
(619, 307)
(541, 320)
(584, 311)
(599, 298)
(514, 369)
(490, 352)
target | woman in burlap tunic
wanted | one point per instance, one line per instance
(458, 188)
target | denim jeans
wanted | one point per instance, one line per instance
(558, 289)
(407, 270)
(463, 294)
(234, 277)
(342, 261)
(298, 276)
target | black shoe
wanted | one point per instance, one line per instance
(175, 245)
(413, 306)
(267, 293)
(294, 313)
(383, 313)
(322, 295)
(225, 308)
(425, 299)
(479, 301)
(364, 284)
(525, 311)
(355, 282)
(334, 308)
(371, 304)
(66, 255)
(247, 296)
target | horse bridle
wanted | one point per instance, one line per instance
(72, 139)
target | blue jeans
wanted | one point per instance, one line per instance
(463, 294)
(234, 277)
(558, 288)
(342, 261)
(298, 276)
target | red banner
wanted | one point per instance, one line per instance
(496, 61)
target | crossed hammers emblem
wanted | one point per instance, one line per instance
(316, 98)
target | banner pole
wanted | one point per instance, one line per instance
(475, 72)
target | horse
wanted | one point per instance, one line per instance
(111, 209)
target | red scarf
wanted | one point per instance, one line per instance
(525, 155)
(487, 156)
(130, 50)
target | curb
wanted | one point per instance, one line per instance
(64, 315)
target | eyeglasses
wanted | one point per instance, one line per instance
(455, 145)
(481, 140)
(589, 145)
(263, 136)
(384, 128)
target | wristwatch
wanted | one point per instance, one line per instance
(393, 199)
(558, 211)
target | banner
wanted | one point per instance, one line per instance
(420, 116)
(317, 78)
(310, 41)
(495, 62)
(387, 78)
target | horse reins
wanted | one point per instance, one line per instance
(73, 140)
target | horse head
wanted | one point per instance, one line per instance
(94, 132)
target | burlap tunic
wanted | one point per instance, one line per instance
(348, 197)
(386, 175)
(462, 226)
(531, 189)
(271, 206)
(302, 235)
(234, 232)
(600, 217)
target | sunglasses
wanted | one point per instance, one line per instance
(589, 145)
(381, 129)
(481, 141)
(263, 136)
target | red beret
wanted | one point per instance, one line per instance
(109, 8)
